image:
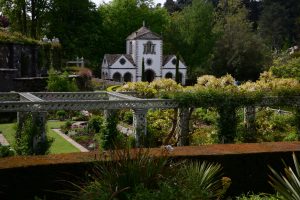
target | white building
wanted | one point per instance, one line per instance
(142, 44)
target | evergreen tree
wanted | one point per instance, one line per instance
(143, 70)
(190, 34)
(238, 50)
(177, 76)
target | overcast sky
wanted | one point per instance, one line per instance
(97, 2)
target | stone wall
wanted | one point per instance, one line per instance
(18, 61)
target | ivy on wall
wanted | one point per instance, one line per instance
(49, 54)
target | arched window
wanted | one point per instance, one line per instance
(127, 77)
(117, 77)
(150, 75)
(169, 75)
(149, 48)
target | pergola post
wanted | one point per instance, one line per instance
(249, 121)
(140, 126)
(39, 119)
(183, 127)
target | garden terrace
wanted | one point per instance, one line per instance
(42, 102)
(245, 164)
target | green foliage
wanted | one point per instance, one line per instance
(257, 197)
(159, 123)
(227, 123)
(238, 50)
(107, 134)
(85, 79)
(113, 88)
(77, 24)
(153, 89)
(287, 69)
(127, 17)
(61, 114)
(287, 184)
(177, 77)
(126, 116)
(226, 97)
(139, 176)
(190, 33)
(275, 21)
(96, 123)
(143, 71)
(29, 139)
(15, 37)
(207, 116)
(60, 82)
(6, 151)
(66, 127)
(273, 126)
(119, 178)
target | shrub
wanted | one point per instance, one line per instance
(118, 179)
(257, 197)
(61, 115)
(29, 138)
(272, 126)
(95, 124)
(6, 151)
(84, 79)
(126, 116)
(60, 82)
(287, 184)
(207, 116)
(143, 177)
(159, 123)
(66, 127)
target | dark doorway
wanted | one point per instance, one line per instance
(169, 75)
(117, 77)
(127, 77)
(150, 75)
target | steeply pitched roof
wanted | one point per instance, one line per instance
(167, 58)
(144, 33)
(112, 58)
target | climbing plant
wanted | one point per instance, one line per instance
(29, 138)
(224, 95)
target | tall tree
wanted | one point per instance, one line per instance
(143, 70)
(26, 16)
(279, 23)
(238, 50)
(121, 18)
(190, 34)
(274, 24)
(78, 25)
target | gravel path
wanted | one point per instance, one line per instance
(3, 140)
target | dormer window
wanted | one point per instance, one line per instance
(149, 48)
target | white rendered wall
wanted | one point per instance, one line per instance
(123, 72)
(156, 58)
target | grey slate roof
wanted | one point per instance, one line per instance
(167, 58)
(112, 58)
(144, 33)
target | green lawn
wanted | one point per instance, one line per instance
(60, 145)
